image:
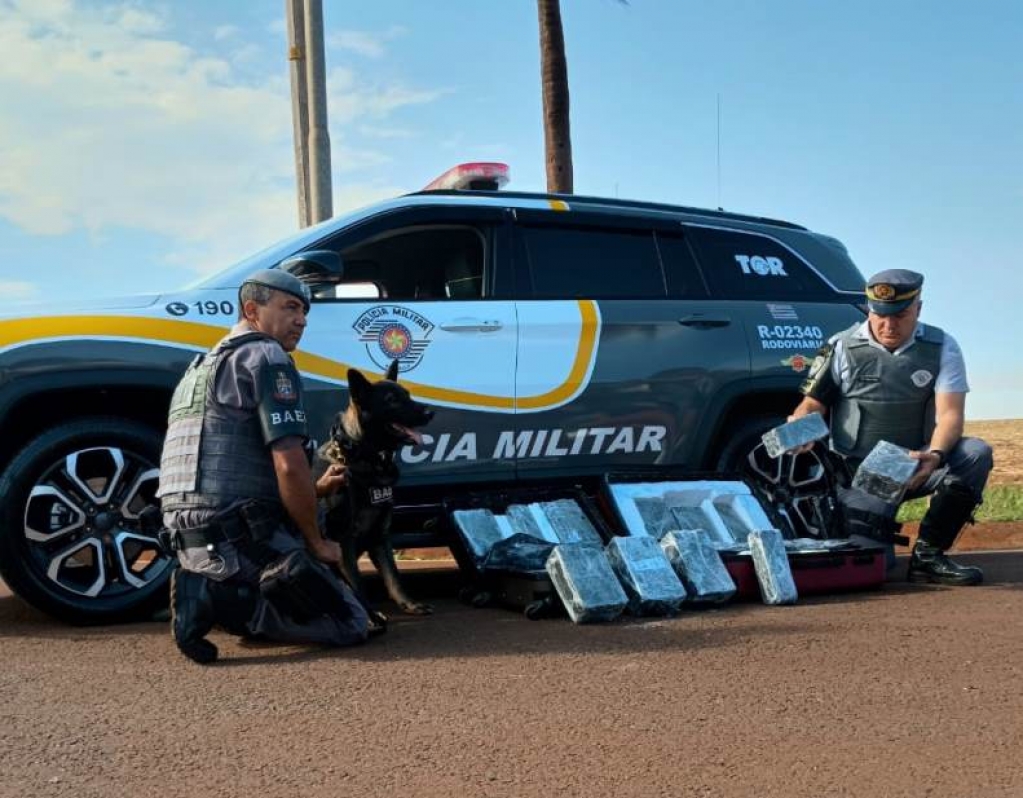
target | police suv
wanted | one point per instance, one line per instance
(557, 338)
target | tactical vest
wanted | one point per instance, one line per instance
(889, 397)
(210, 460)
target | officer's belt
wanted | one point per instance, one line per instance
(254, 522)
(201, 537)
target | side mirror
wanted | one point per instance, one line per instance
(315, 266)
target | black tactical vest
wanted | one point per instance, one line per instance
(889, 397)
(210, 460)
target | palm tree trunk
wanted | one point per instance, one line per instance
(554, 78)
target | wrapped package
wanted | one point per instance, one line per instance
(570, 523)
(816, 544)
(785, 438)
(771, 564)
(740, 513)
(588, 588)
(885, 471)
(530, 519)
(699, 566)
(479, 530)
(520, 553)
(694, 509)
(654, 512)
(643, 569)
(689, 517)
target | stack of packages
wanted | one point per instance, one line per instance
(695, 523)
(556, 537)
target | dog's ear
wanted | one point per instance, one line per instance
(358, 387)
(392, 371)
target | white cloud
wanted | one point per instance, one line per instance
(375, 132)
(17, 289)
(120, 126)
(364, 43)
(225, 32)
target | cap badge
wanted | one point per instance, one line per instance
(884, 292)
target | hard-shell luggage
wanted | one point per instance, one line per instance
(818, 566)
(528, 589)
(815, 572)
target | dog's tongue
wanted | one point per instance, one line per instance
(409, 433)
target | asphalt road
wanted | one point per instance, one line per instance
(907, 691)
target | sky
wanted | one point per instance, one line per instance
(144, 144)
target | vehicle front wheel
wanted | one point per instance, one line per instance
(72, 542)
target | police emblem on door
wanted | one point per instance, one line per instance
(394, 332)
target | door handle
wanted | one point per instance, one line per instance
(699, 320)
(471, 325)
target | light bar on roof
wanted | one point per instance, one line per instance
(476, 176)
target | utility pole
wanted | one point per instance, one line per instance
(320, 198)
(309, 109)
(299, 104)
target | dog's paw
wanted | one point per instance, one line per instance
(416, 608)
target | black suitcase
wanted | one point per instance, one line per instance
(530, 592)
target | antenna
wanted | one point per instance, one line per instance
(719, 152)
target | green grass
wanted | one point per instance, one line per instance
(1001, 503)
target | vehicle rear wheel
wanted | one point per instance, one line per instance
(733, 457)
(797, 490)
(72, 542)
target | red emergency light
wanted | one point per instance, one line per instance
(477, 176)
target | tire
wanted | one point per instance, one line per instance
(796, 491)
(731, 458)
(71, 541)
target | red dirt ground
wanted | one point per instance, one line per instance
(906, 691)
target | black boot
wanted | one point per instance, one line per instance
(929, 564)
(192, 616)
(951, 508)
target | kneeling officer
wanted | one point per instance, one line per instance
(894, 378)
(238, 497)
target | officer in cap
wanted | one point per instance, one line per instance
(237, 493)
(897, 379)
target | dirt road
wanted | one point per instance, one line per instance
(905, 691)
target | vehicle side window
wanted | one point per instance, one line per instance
(434, 262)
(680, 269)
(750, 266)
(584, 262)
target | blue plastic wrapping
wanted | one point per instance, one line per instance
(479, 530)
(570, 523)
(699, 566)
(786, 437)
(771, 564)
(588, 588)
(885, 471)
(651, 584)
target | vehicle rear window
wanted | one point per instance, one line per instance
(750, 266)
(578, 262)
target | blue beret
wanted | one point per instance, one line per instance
(893, 290)
(281, 281)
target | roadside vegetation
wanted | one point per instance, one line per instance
(1003, 499)
(1001, 503)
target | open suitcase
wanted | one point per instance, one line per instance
(730, 505)
(530, 591)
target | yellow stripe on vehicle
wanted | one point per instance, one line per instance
(23, 332)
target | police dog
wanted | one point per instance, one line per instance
(381, 417)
